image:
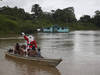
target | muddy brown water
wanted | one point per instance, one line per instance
(80, 51)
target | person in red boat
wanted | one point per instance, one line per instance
(30, 41)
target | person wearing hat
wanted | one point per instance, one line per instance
(30, 41)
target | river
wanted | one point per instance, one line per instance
(80, 51)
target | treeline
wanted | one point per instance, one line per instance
(16, 20)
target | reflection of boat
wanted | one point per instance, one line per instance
(30, 68)
(39, 60)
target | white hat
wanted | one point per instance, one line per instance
(31, 38)
(23, 33)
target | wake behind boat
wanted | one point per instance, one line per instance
(38, 60)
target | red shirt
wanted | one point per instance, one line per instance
(30, 43)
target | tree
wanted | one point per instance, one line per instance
(65, 16)
(70, 15)
(85, 19)
(97, 18)
(97, 12)
(36, 10)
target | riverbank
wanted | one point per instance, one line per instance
(16, 20)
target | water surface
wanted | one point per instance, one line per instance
(80, 51)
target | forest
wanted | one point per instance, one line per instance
(16, 20)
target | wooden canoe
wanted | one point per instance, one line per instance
(39, 60)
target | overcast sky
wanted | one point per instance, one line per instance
(81, 7)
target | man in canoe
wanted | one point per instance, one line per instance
(31, 46)
(30, 41)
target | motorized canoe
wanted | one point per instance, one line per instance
(39, 60)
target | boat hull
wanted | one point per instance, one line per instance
(38, 60)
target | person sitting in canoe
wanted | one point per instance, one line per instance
(32, 52)
(17, 49)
